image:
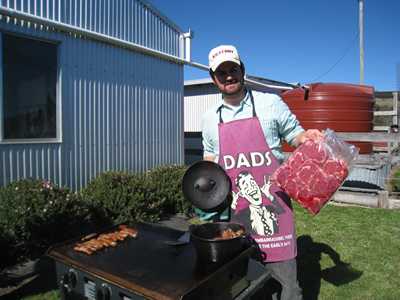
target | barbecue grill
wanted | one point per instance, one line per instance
(148, 267)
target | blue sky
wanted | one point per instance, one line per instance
(296, 41)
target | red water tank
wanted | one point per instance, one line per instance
(338, 106)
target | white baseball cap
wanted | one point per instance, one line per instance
(221, 54)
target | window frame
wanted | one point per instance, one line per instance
(58, 138)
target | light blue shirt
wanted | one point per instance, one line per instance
(277, 121)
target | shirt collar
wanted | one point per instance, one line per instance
(245, 102)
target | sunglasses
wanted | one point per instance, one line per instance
(223, 73)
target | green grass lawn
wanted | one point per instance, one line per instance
(365, 241)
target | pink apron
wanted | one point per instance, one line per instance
(264, 209)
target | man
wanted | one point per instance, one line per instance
(243, 134)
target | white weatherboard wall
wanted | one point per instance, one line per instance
(120, 109)
(198, 99)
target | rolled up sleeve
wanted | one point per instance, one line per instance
(289, 126)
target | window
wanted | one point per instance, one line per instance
(29, 88)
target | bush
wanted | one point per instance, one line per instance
(35, 214)
(168, 180)
(6, 246)
(394, 180)
(120, 197)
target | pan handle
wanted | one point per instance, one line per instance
(257, 255)
(204, 184)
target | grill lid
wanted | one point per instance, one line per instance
(207, 186)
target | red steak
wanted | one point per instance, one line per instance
(310, 176)
(337, 168)
(296, 161)
(291, 188)
(307, 171)
(282, 174)
(314, 151)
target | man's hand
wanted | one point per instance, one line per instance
(310, 134)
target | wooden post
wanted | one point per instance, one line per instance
(364, 199)
(396, 109)
(389, 145)
(394, 203)
(383, 199)
(361, 37)
(396, 116)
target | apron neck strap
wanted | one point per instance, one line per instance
(252, 104)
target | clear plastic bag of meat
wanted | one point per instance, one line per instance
(315, 170)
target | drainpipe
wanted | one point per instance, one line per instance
(187, 40)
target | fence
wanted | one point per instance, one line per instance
(372, 197)
(390, 117)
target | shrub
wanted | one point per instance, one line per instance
(394, 179)
(118, 197)
(168, 180)
(6, 246)
(35, 214)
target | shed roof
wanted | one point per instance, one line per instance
(161, 15)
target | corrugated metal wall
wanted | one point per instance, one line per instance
(375, 175)
(198, 99)
(134, 21)
(121, 110)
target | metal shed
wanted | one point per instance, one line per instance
(87, 87)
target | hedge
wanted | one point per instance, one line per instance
(168, 180)
(394, 180)
(35, 214)
(123, 197)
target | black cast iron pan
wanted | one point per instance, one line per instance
(210, 248)
(206, 185)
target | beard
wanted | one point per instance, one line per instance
(233, 88)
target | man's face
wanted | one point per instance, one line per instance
(228, 77)
(250, 190)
